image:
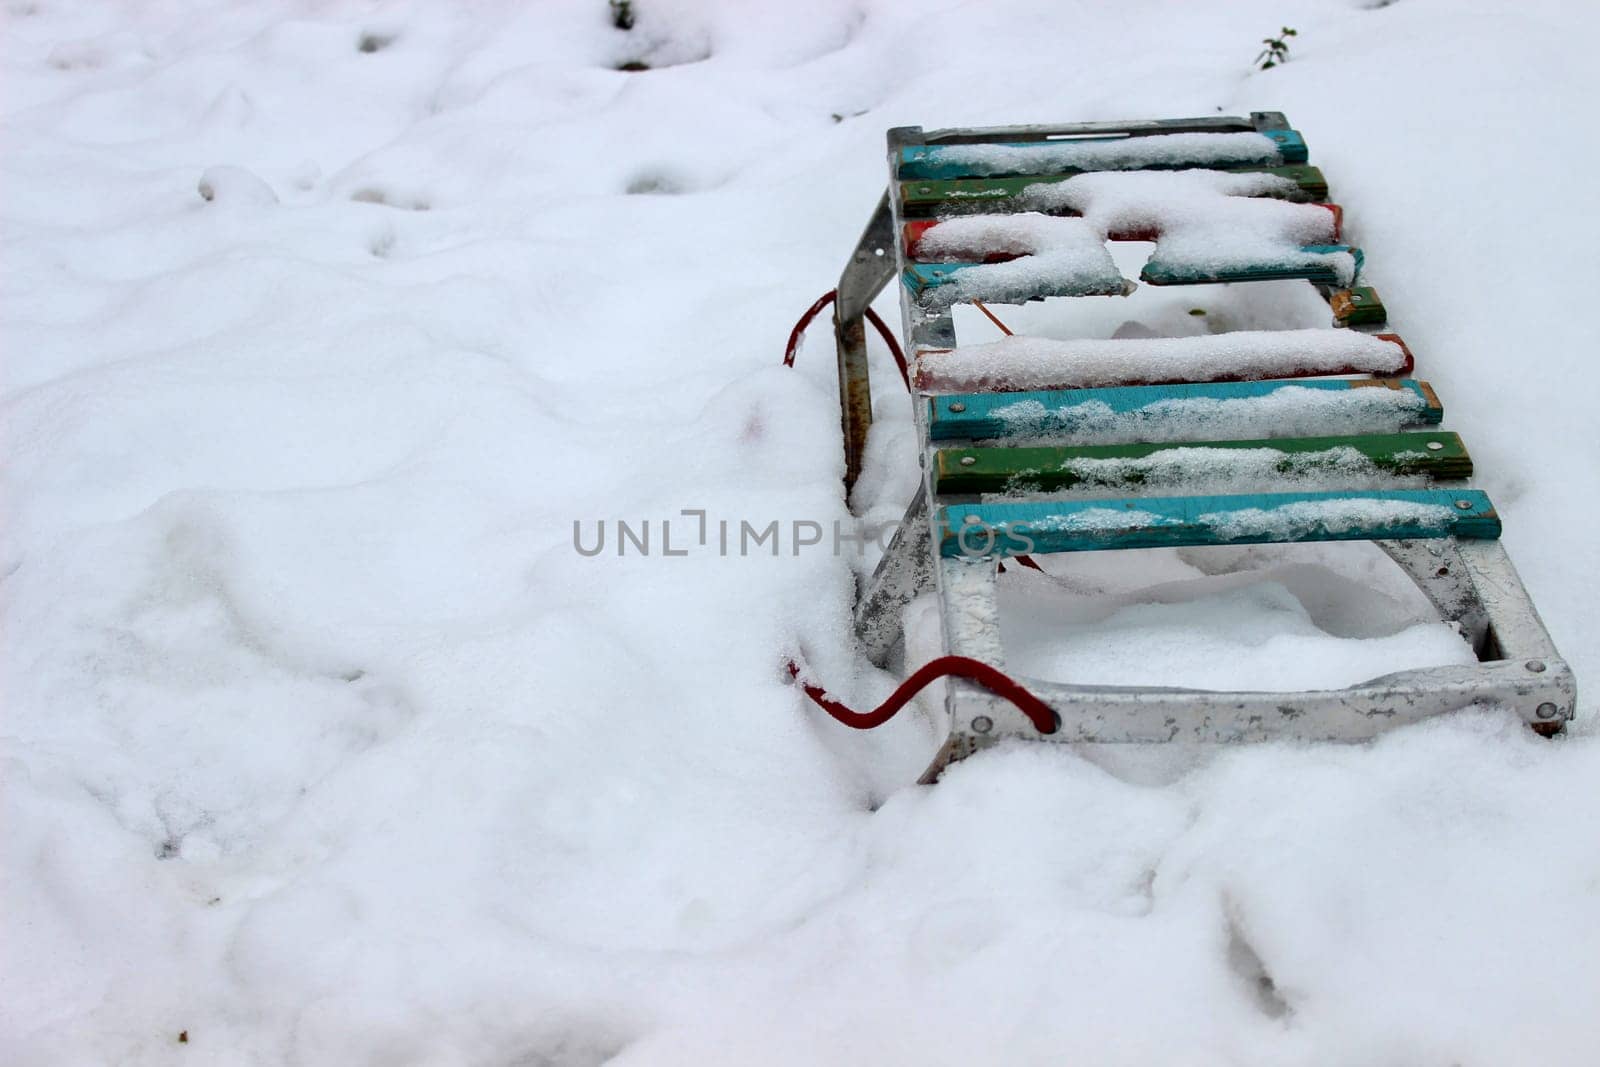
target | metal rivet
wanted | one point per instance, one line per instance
(1434, 446)
(1535, 665)
(983, 724)
(1356, 298)
(1464, 505)
(1544, 711)
(958, 407)
(967, 461)
(971, 520)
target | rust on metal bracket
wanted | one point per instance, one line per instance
(855, 393)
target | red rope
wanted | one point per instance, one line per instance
(981, 306)
(994, 680)
(793, 348)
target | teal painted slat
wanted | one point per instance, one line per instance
(1159, 274)
(939, 162)
(979, 416)
(922, 277)
(1008, 529)
(1291, 146)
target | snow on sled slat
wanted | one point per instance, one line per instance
(1007, 529)
(1184, 466)
(940, 284)
(1319, 265)
(1188, 411)
(1360, 306)
(1256, 120)
(1322, 269)
(913, 232)
(920, 199)
(1164, 151)
(1016, 364)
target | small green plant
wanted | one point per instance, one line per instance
(1277, 50)
(622, 14)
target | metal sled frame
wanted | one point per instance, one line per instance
(1471, 582)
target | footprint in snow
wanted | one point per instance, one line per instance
(235, 185)
(375, 41)
(381, 242)
(656, 182)
(373, 194)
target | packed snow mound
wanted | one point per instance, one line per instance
(1208, 222)
(1260, 632)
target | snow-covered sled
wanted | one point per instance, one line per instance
(1036, 446)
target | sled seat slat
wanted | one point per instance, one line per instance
(1124, 414)
(1136, 467)
(1006, 529)
(960, 196)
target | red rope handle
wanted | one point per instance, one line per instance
(994, 680)
(981, 306)
(793, 348)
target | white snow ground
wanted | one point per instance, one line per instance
(322, 324)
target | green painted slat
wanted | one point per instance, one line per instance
(920, 199)
(1360, 306)
(1128, 466)
(1042, 413)
(1008, 529)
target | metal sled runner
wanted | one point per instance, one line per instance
(1038, 446)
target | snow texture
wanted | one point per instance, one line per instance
(1199, 471)
(323, 746)
(1054, 251)
(1283, 522)
(1304, 517)
(1197, 644)
(1024, 363)
(1293, 411)
(1207, 222)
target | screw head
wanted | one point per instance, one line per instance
(967, 461)
(1546, 711)
(1535, 665)
(1464, 505)
(971, 520)
(958, 407)
(1434, 446)
(983, 724)
(1356, 298)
